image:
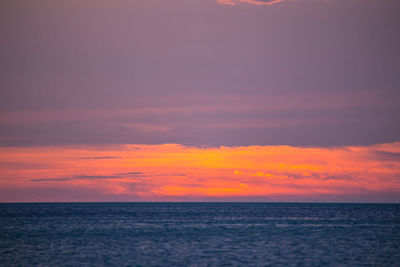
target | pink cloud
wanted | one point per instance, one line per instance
(253, 2)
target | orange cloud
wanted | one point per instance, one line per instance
(254, 2)
(176, 172)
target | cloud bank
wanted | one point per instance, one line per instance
(172, 172)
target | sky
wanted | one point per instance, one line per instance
(200, 100)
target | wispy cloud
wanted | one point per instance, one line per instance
(147, 128)
(387, 155)
(114, 176)
(53, 179)
(89, 177)
(206, 120)
(131, 173)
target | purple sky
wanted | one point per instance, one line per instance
(198, 72)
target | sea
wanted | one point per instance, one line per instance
(199, 234)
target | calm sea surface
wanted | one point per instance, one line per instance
(199, 234)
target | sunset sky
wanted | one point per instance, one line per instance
(200, 100)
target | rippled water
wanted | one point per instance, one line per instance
(199, 234)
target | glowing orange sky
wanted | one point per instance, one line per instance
(176, 172)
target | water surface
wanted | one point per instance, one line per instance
(199, 234)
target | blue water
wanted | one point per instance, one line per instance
(199, 234)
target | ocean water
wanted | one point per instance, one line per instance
(199, 234)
